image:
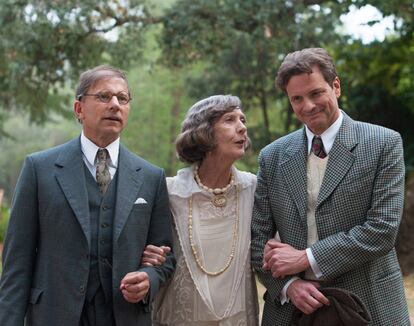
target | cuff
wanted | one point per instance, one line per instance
(283, 294)
(314, 265)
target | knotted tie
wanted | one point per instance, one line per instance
(317, 147)
(103, 177)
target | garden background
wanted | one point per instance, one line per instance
(179, 51)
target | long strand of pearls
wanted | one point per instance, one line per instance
(234, 242)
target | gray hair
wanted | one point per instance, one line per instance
(197, 134)
(88, 78)
(301, 62)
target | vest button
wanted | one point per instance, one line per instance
(104, 225)
(105, 207)
(82, 289)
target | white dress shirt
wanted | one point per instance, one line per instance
(89, 150)
(328, 138)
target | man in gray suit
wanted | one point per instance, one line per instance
(81, 217)
(333, 191)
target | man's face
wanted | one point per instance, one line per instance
(103, 122)
(313, 100)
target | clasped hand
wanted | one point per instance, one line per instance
(283, 260)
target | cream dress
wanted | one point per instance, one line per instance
(193, 297)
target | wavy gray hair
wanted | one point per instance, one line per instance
(197, 134)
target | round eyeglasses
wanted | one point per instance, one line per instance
(106, 96)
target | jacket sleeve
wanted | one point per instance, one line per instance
(263, 228)
(19, 252)
(160, 235)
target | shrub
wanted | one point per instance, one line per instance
(4, 221)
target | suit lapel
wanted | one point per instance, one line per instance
(129, 183)
(71, 178)
(340, 159)
(293, 169)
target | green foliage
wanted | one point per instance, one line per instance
(46, 44)
(241, 44)
(4, 221)
(24, 139)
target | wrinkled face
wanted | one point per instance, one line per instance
(313, 100)
(230, 134)
(103, 122)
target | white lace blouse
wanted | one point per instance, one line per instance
(192, 297)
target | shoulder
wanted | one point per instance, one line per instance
(291, 142)
(135, 160)
(182, 183)
(370, 134)
(51, 154)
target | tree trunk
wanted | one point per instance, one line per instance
(174, 129)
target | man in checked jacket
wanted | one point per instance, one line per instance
(334, 192)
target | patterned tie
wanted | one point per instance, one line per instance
(103, 177)
(317, 147)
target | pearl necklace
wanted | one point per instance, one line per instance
(219, 199)
(233, 245)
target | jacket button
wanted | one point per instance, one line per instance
(82, 289)
(104, 225)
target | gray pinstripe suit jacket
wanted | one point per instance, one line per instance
(358, 212)
(45, 258)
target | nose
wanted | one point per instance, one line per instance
(241, 128)
(114, 103)
(308, 104)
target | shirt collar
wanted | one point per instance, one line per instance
(89, 149)
(328, 136)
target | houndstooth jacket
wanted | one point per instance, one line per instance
(358, 213)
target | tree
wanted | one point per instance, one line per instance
(242, 44)
(45, 45)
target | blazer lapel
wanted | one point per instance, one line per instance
(129, 184)
(340, 159)
(293, 169)
(71, 178)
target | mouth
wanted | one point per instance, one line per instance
(116, 119)
(241, 142)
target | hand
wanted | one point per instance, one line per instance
(135, 286)
(306, 296)
(154, 256)
(282, 259)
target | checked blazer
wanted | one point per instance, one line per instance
(46, 261)
(358, 212)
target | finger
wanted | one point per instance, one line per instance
(320, 298)
(134, 277)
(273, 243)
(166, 249)
(154, 249)
(153, 260)
(133, 297)
(136, 288)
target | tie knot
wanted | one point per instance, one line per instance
(317, 147)
(102, 155)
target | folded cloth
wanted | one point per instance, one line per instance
(345, 308)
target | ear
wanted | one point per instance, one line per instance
(78, 110)
(336, 85)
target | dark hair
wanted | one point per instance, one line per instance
(300, 62)
(197, 134)
(88, 78)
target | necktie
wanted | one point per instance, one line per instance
(317, 147)
(103, 177)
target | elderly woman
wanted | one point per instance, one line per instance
(211, 203)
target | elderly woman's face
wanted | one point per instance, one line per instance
(230, 134)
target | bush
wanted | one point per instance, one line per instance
(4, 221)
